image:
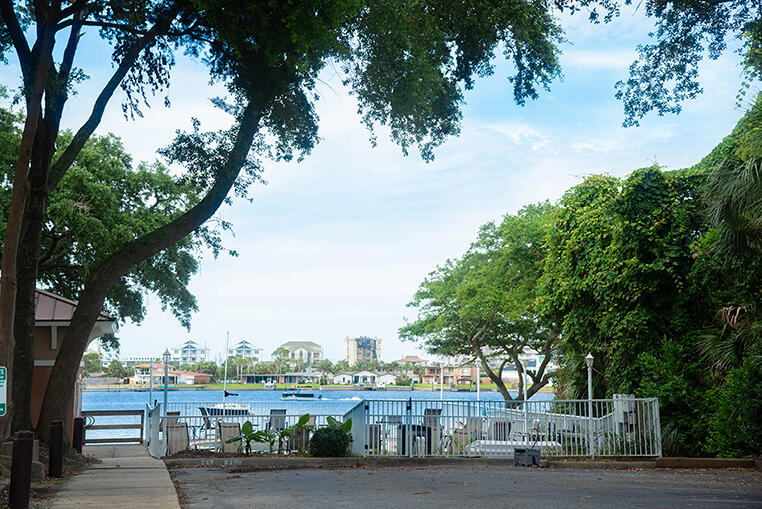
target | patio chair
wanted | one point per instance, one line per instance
(277, 420)
(202, 430)
(177, 437)
(226, 431)
(468, 431)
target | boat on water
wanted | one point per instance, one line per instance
(226, 409)
(300, 395)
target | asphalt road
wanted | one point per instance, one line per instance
(466, 487)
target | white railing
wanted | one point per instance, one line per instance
(189, 428)
(624, 426)
(619, 427)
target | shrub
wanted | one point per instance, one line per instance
(330, 442)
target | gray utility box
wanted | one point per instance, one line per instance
(526, 456)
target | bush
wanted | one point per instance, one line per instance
(330, 442)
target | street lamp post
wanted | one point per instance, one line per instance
(441, 381)
(166, 356)
(589, 362)
(524, 361)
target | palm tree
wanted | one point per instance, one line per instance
(734, 186)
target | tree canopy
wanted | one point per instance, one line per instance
(101, 201)
(483, 305)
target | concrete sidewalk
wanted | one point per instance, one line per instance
(126, 477)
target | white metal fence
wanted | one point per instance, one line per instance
(623, 426)
(619, 427)
(204, 425)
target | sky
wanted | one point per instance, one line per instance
(335, 246)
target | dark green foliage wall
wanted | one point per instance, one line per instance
(659, 275)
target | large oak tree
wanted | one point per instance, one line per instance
(407, 63)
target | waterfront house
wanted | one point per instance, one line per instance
(52, 316)
(364, 377)
(245, 350)
(189, 352)
(306, 351)
(412, 359)
(143, 372)
(281, 378)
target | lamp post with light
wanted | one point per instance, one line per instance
(589, 362)
(166, 356)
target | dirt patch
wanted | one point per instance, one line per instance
(41, 492)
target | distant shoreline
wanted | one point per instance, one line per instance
(258, 387)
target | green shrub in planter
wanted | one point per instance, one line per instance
(330, 442)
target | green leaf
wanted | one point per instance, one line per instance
(247, 428)
(303, 420)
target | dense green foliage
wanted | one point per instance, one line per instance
(482, 306)
(656, 274)
(330, 442)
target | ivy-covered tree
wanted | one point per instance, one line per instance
(484, 305)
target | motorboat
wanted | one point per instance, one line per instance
(225, 409)
(300, 395)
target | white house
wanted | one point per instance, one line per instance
(366, 377)
(343, 379)
(246, 350)
(189, 352)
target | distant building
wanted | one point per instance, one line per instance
(362, 349)
(412, 359)
(246, 350)
(365, 377)
(143, 372)
(142, 359)
(532, 360)
(189, 352)
(307, 351)
(281, 378)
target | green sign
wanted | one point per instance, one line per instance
(3, 389)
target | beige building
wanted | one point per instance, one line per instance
(362, 348)
(307, 351)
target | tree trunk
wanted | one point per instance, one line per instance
(8, 268)
(60, 388)
(28, 256)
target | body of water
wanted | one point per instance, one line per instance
(331, 401)
(258, 402)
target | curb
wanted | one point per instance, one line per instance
(705, 463)
(601, 465)
(286, 463)
(270, 463)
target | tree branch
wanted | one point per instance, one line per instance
(19, 41)
(59, 168)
